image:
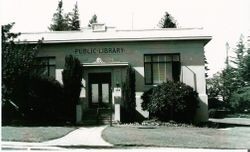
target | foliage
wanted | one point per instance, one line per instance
(246, 68)
(229, 82)
(240, 100)
(92, 20)
(65, 22)
(72, 77)
(27, 97)
(128, 94)
(45, 103)
(17, 63)
(171, 101)
(214, 103)
(167, 21)
(222, 85)
(60, 20)
(74, 22)
(40, 101)
(206, 66)
(239, 62)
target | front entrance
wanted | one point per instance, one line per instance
(99, 90)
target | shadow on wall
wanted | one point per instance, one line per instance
(202, 111)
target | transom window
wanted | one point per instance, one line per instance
(159, 68)
(46, 66)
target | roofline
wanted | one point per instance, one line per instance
(120, 30)
(207, 38)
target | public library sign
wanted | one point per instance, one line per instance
(79, 51)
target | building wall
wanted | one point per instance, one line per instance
(191, 54)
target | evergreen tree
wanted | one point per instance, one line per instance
(17, 66)
(167, 21)
(239, 62)
(206, 66)
(246, 69)
(234, 76)
(72, 81)
(74, 22)
(60, 21)
(92, 20)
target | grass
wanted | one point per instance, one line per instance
(192, 137)
(34, 134)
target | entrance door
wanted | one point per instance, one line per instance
(99, 89)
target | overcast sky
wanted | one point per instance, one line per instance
(225, 20)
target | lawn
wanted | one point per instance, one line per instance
(34, 134)
(189, 137)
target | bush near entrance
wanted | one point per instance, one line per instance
(171, 101)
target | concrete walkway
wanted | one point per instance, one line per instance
(82, 137)
(232, 121)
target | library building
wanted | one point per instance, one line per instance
(107, 56)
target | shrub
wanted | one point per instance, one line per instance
(240, 100)
(72, 81)
(45, 103)
(37, 101)
(128, 97)
(214, 103)
(171, 101)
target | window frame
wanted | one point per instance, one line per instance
(47, 65)
(151, 62)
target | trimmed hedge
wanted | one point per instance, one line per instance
(171, 101)
(39, 101)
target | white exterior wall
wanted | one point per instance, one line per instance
(191, 53)
(59, 75)
(194, 76)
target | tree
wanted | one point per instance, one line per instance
(92, 20)
(246, 69)
(167, 21)
(60, 20)
(17, 60)
(229, 83)
(128, 97)
(72, 78)
(240, 100)
(239, 62)
(17, 64)
(230, 80)
(74, 22)
(206, 66)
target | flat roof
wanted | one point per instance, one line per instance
(113, 35)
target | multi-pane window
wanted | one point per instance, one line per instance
(161, 67)
(46, 66)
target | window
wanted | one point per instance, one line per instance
(46, 66)
(159, 68)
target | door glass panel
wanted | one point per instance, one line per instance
(105, 93)
(95, 93)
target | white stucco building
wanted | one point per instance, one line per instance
(156, 55)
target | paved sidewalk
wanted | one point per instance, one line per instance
(232, 121)
(82, 137)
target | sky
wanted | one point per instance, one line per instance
(224, 20)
